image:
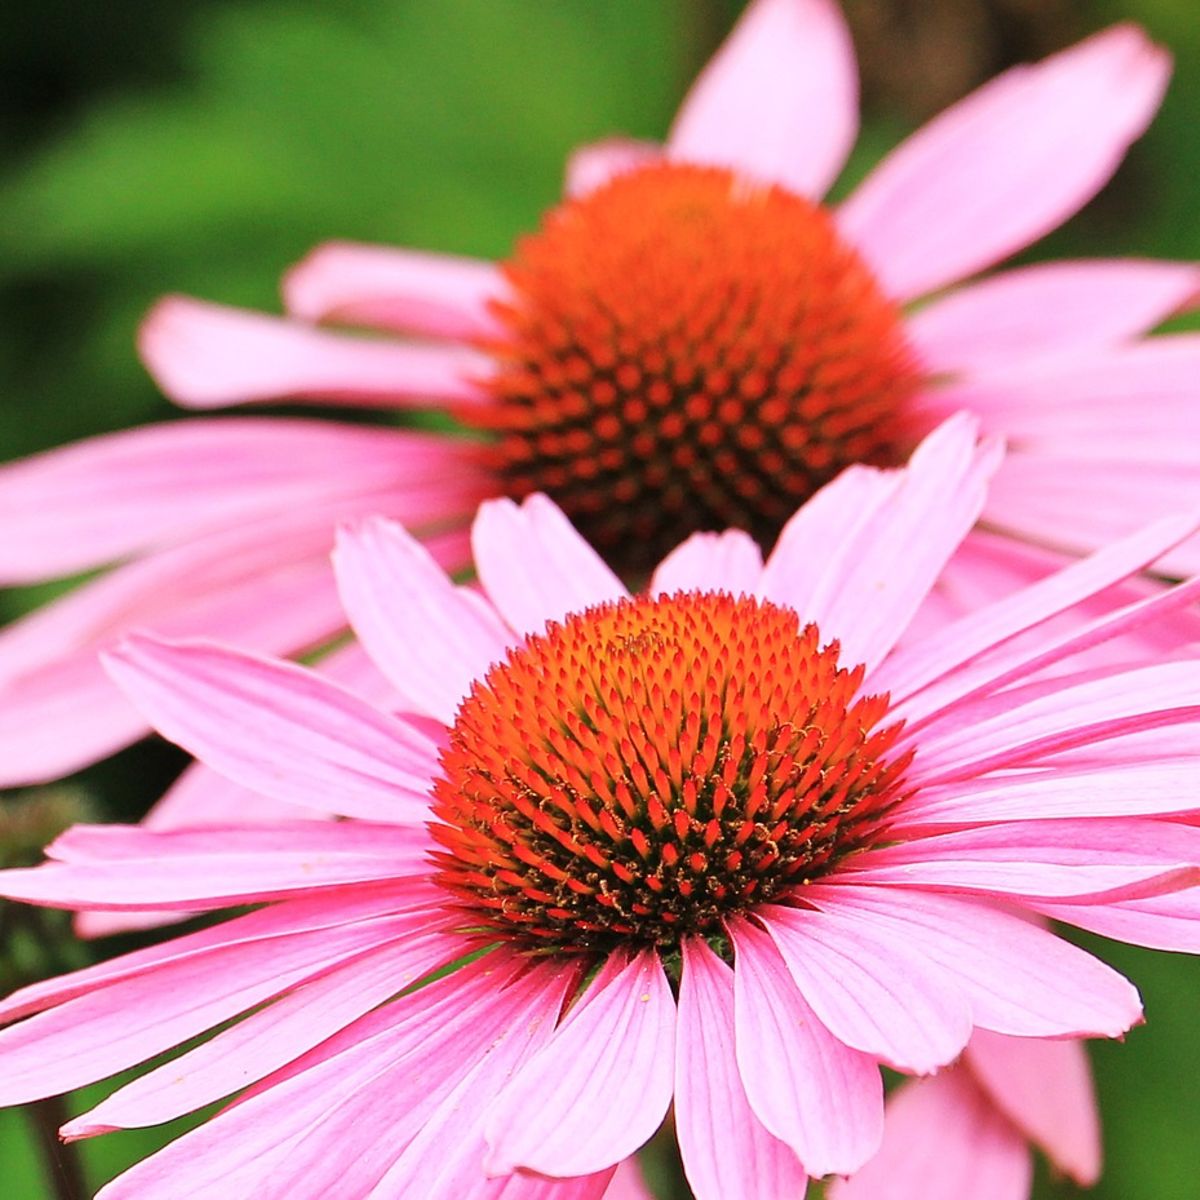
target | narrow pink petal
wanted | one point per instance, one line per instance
(280, 729)
(727, 1152)
(592, 166)
(426, 635)
(1007, 164)
(600, 1087)
(1170, 921)
(628, 1184)
(534, 566)
(944, 1140)
(1044, 1086)
(778, 101)
(708, 562)
(97, 1034)
(207, 355)
(315, 1129)
(91, 503)
(1050, 309)
(869, 992)
(1019, 978)
(916, 665)
(407, 291)
(895, 541)
(811, 1091)
(604, 1185)
(127, 867)
(324, 911)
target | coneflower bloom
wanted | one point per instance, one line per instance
(691, 340)
(725, 843)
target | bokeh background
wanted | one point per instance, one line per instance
(204, 145)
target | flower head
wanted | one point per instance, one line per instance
(728, 843)
(691, 340)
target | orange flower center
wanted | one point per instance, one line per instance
(686, 350)
(653, 765)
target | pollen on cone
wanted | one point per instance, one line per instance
(653, 765)
(687, 351)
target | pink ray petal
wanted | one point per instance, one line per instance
(600, 1087)
(534, 567)
(869, 992)
(1050, 309)
(592, 166)
(811, 1091)
(729, 561)
(428, 636)
(1007, 164)
(406, 291)
(96, 501)
(1019, 978)
(1170, 921)
(727, 1152)
(1044, 1086)
(778, 101)
(280, 729)
(944, 1140)
(628, 1184)
(891, 550)
(209, 355)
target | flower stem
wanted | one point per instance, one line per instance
(61, 1161)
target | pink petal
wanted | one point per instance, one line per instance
(778, 101)
(600, 1087)
(1045, 1088)
(896, 533)
(280, 729)
(200, 870)
(727, 1152)
(811, 1091)
(96, 501)
(208, 355)
(592, 166)
(1170, 921)
(407, 291)
(428, 636)
(1019, 978)
(1049, 309)
(97, 1034)
(628, 1184)
(868, 992)
(534, 566)
(729, 561)
(943, 1141)
(1007, 164)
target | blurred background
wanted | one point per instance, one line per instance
(203, 146)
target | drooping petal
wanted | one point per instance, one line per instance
(208, 355)
(729, 561)
(869, 992)
(898, 533)
(430, 638)
(592, 166)
(600, 1087)
(280, 729)
(1170, 921)
(406, 291)
(1019, 978)
(778, 101)
(944, 1140)
(727, 1152)
(811, 1091)
(1049, 309)
(533, 565)
(1007, 164)
(1044, 1086)
(628, 1184)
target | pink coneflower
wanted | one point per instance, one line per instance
(724, 843)
(690, 341)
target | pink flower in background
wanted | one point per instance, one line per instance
(690, 341)
(732, 848)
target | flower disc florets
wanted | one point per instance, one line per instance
(653, 765)
(688, 350)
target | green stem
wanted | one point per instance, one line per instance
(61, 1161)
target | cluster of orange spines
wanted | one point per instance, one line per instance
(650, 766)
(687, 351)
